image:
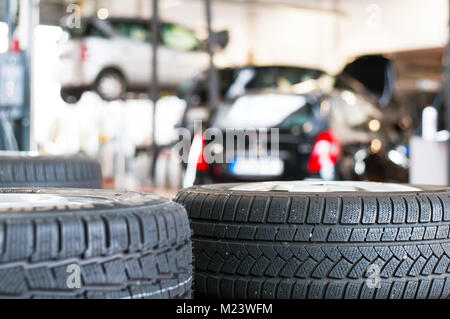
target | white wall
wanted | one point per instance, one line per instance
(278, 34)
(387, 26)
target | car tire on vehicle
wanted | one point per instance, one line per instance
(71, 96)
(110, 85)
(354, 240)
(50, 171)
(74, 243)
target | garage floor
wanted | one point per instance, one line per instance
(165, 192)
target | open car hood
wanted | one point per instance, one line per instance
(376, 73)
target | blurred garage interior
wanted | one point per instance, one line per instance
(82, 77)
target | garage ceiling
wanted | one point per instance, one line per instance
(52, 10)
(320, 33)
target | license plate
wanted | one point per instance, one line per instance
(268, 166)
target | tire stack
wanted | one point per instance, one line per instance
(85, 242)
(312, 245)
(50, 171)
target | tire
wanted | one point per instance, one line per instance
(100, 244)
(50, 171)
(115, 87)
(71, 96)
(288, 244)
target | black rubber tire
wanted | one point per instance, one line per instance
(319, 245)
(50, 171)
(119, 77)
(131, 245)
(71, 96)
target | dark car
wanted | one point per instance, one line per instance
(329, 130)
(339, 136)
(235, 81)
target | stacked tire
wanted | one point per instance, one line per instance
(75, 243)
(268, 240)
(63, 237)
(50, 171)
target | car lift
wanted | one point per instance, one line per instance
(447, 99)
(213, 89)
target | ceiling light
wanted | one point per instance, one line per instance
(374, 125)
(102, 13)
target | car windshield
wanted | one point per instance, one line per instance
(269, 77)
(236, 82)
(256, 111)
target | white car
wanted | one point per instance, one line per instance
(114, 56)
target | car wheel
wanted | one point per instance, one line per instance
(357, 240)
(73, 243)
(70, 96)
(50, 171)
(110, 85)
